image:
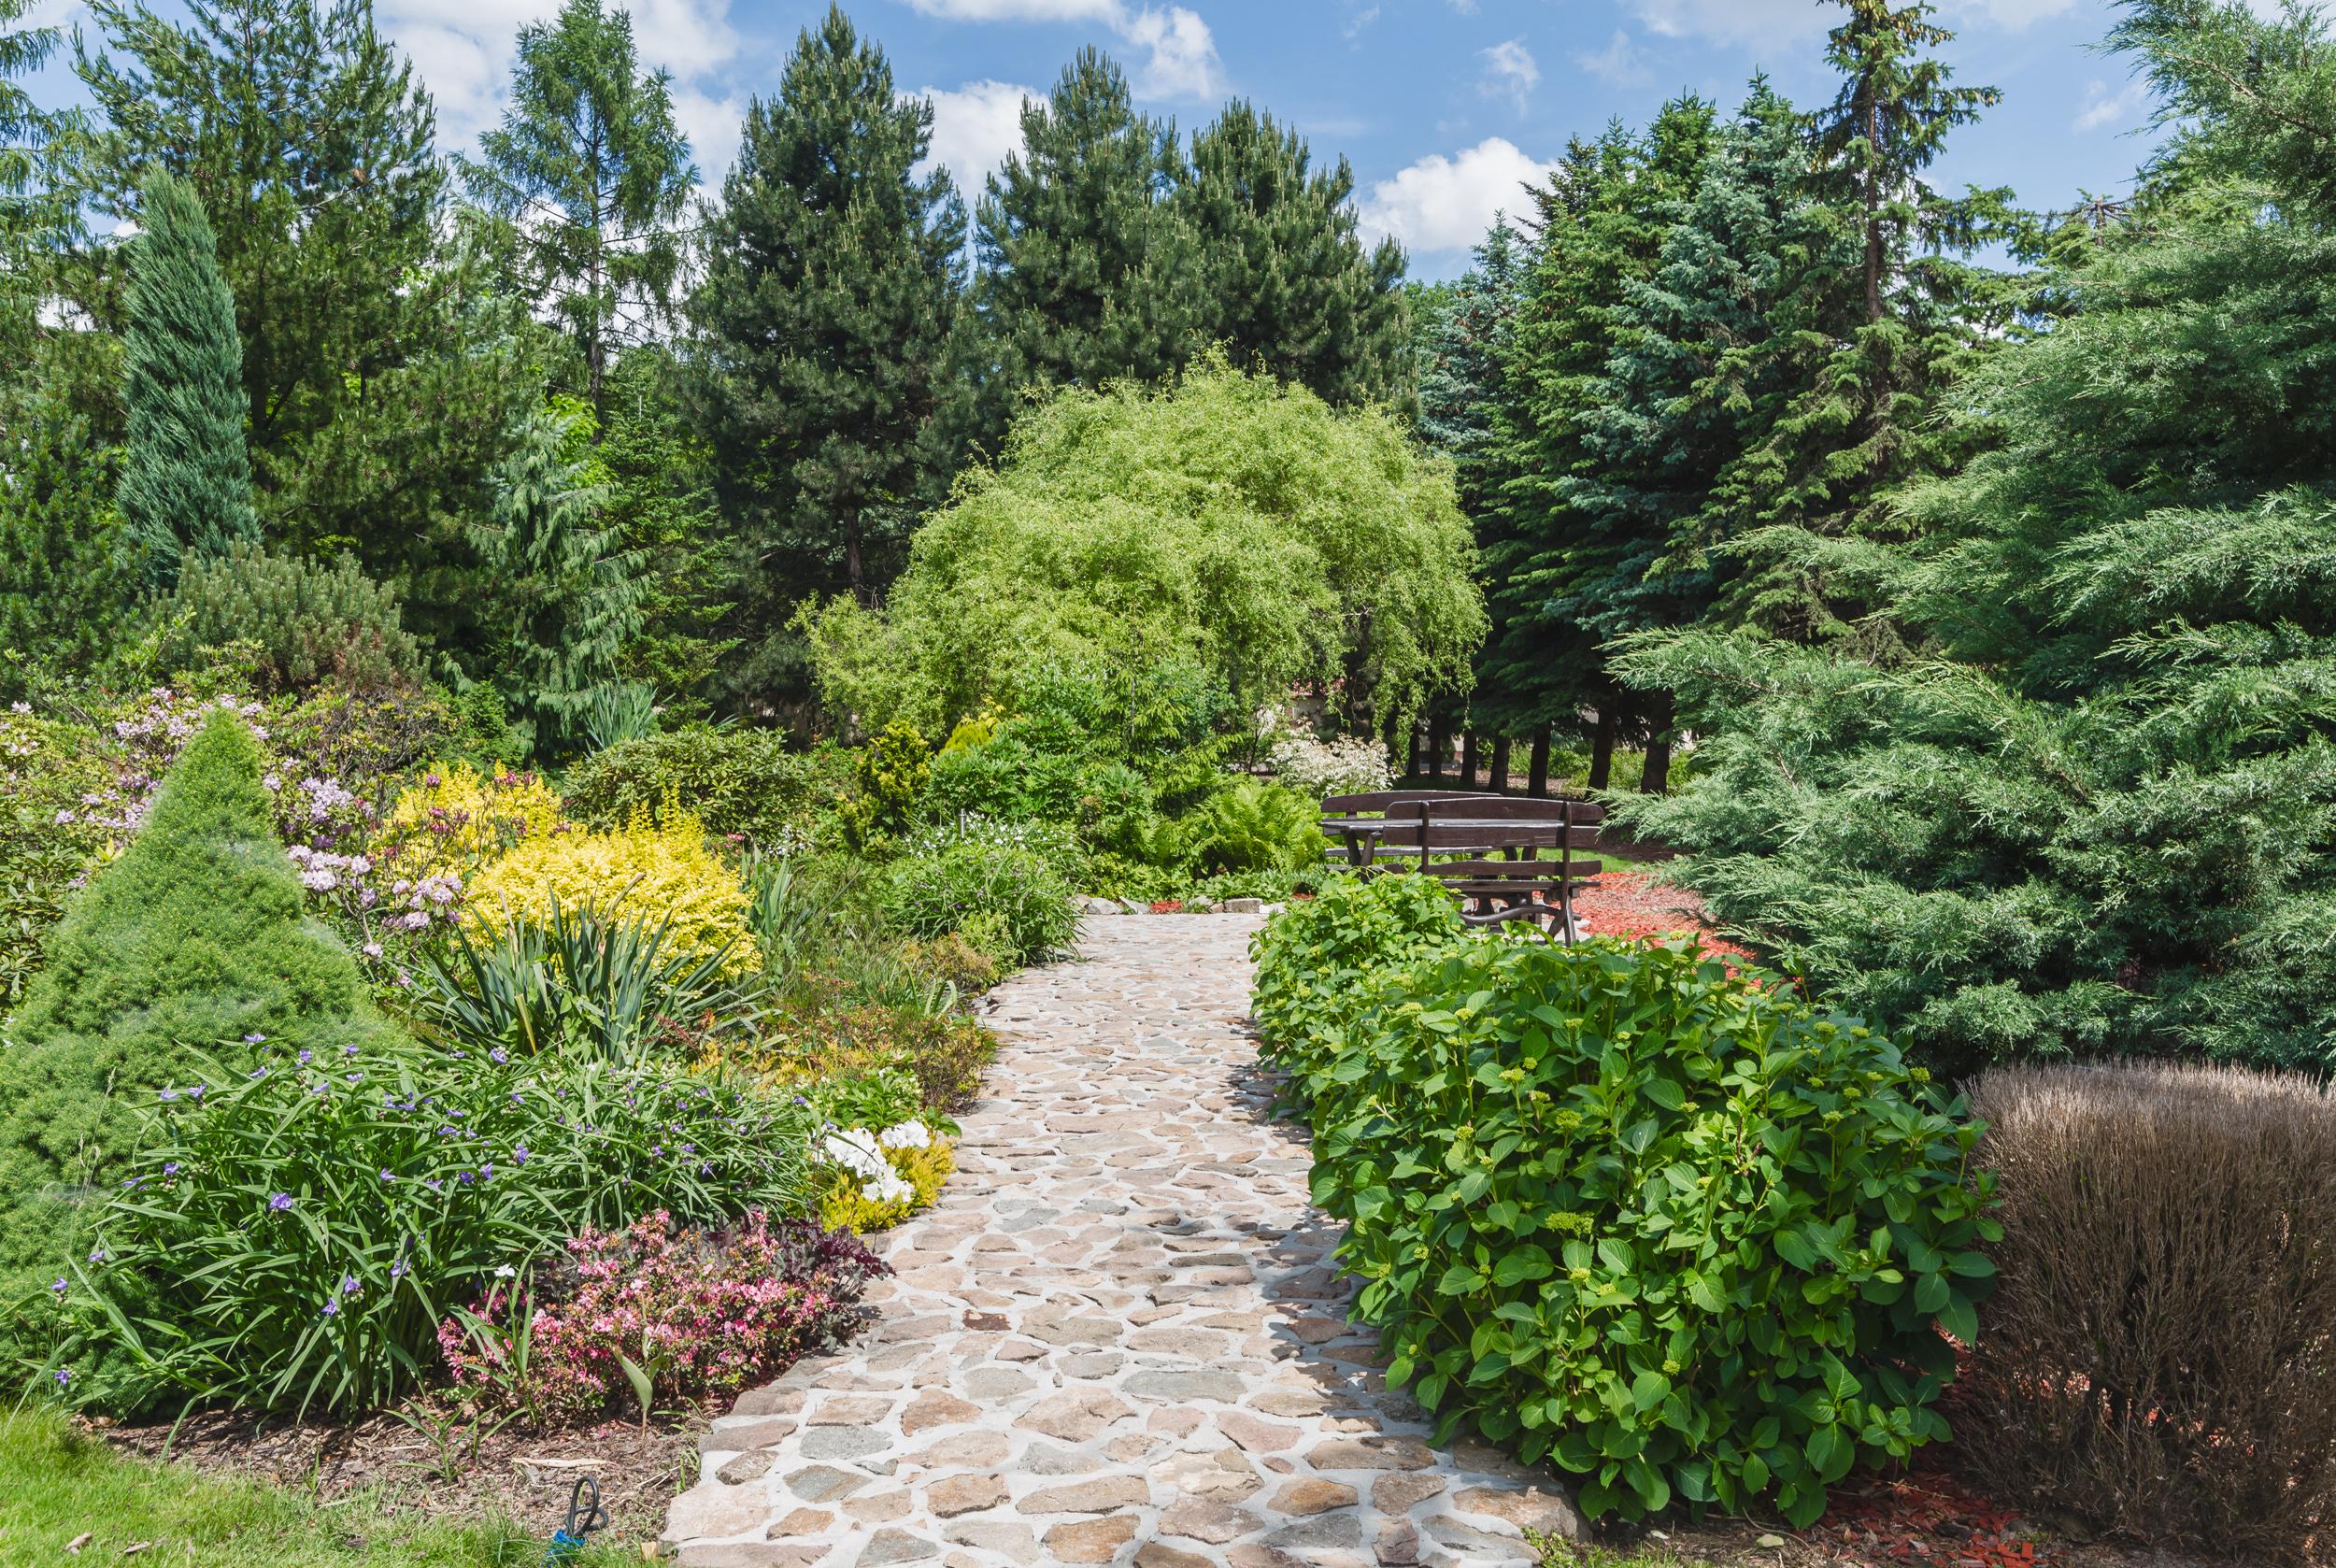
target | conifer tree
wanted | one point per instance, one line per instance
(1287, 284)
(1875, 348)
(567, 597)
(62, 589)
(826, 323)
(1089, 270)
(186, 483)
(592, 173)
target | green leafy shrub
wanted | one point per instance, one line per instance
(195, 934)
(887, 776)
(308, 622)
(1318, 960)
(2155, 1361)
(292, 1238)
(49, 836)
(743, 782)
(934, 894)
(1680, 1234)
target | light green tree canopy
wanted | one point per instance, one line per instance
(1229, 520)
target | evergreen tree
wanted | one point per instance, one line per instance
(826, 321)
(1603, 220)
(61, 583)
(592, 173)
(1874, 348)
(567, 598)
(1287, 284)
(186, 483)
(1088, 271)
(24, 210)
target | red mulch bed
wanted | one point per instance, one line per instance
(1629, 902)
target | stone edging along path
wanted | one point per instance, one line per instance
(1118, 1337)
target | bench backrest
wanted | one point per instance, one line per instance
(1387, 800)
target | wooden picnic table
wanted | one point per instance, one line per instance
(1416, 829)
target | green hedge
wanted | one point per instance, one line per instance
(735, 781)
(1680, 1234)
(1318, 960)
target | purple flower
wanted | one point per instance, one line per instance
(518, 1155)
(170, 1167)
(349, 1286)
(498, 1056)
(257, 1073)
(397, 1270)
(197, 1092)
(432, 1183)
(354, 1078)
(169, 1093)
(331, 1306)
(465, 1177)
(65, 1376)
(96, 1254)
(279, 1202)
(61, 1287)
(348, 1051)
(303, 1058)
(386, 1175)
(253, 1039)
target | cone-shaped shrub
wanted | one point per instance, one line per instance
(194, 937)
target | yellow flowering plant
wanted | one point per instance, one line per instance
(453, 819)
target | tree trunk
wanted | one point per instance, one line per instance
(1439, 743)
(1497, 779)
(1602, 749)
(1657, 778)
(1537, 782)
(853, 572)
(1468, 758)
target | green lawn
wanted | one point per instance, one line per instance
(56, 1485)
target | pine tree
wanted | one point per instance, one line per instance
(1089, 270)
(186, 483)
(1287, 283)
(61, 583)
(826, 324)
(590, 169)
(567, 598)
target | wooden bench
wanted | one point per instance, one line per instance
(1456, 837)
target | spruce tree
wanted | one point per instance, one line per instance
(590, 171)
(566, 598)
(1874, 346)
(826, 323)
(1089, 268)
(62, 589)
(1287, 284)
(186, 483)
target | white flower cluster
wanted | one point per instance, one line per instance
(858, 1152)
(1348, 765)
(322, 872)
(908, 1134)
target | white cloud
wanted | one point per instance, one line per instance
(1510, 72)
(1621, 62)
(973, 127)
(715, 123)
(1180, 58)
(1360, 19)
(1780, 22)
(1446, 204)
(2104, 108)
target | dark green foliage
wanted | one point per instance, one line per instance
(186, 483)
(826, 319)
(1680, 1234)
(1089, 273)
(194, 938)
(61, 591)
(591, 174)
(307, 623)
(1317, 961)
(1250, 824)
(566, 598)
(1015, 895)
(2095, 822)
(734, 780)
(1287, 283)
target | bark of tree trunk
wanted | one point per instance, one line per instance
(1657, 778)
(1439, 743)
(1468, 758)
(1602, 749)
(1537, 781)
(1496, 776)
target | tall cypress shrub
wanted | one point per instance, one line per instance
(186, 478)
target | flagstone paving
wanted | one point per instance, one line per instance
(1118, 1337)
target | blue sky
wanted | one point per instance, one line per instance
(1443, 107)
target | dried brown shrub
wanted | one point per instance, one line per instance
(2160, 1359)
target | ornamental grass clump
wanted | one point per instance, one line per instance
(196, 934)
(1680, 1234)
(291, 1238)
(658, 1314)
(2161, 1359)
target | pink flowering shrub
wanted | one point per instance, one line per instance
(693, 1313)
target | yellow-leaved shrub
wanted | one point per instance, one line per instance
(454, 820)
(843, 1206)
(671, 874)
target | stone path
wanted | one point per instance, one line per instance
(1118, 1337)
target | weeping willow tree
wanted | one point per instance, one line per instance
(2095, 814)
(1229, 523)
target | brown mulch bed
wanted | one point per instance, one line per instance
(436, 1470)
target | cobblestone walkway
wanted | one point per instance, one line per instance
(1118, 1337)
